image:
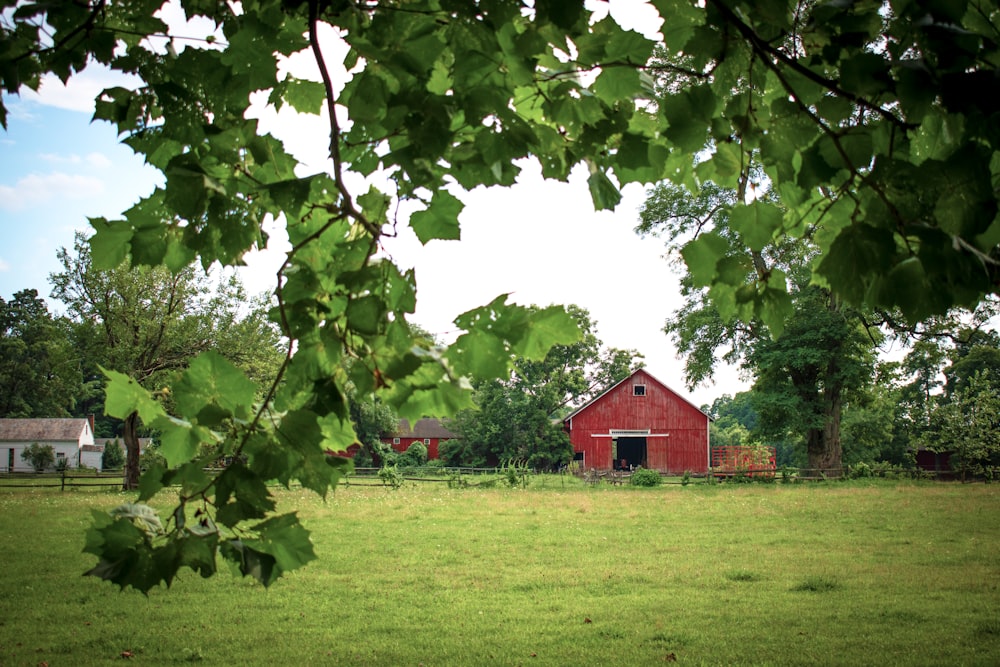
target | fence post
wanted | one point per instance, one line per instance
(62, 479)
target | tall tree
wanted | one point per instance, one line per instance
(968, 426)
(40, 371)
(872, 121)
(805, 368)
(148, 323)
(806, 376)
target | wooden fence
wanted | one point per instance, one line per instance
(62, 480)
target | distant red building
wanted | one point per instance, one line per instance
(640, 422)
(431, 432)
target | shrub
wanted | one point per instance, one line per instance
(113, 457)
(391, 476)
(646, 477)
(38, 456)
(515, 473)
(414, 456)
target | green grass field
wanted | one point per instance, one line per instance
(880, 573)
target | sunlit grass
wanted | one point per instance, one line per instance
(558, 574)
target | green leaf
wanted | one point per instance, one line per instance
(285, 539)
(775, 308)
(938, 136)
(249, 561)
(125, 556)
(481, 354)
(702, 256)
(109, 246)
(180, 440)
(123, 396)
(756, 223)
(906, 286)
(366, 314)
(151, 481)
(212, 390)
(304, 96)
(544, 329)
(689, 115)
(604, 192)
(857, 252)
(375, 206)
(439, 220)
(240, 494)
(615, 84)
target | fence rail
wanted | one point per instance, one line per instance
(61, 480)
(74, 478)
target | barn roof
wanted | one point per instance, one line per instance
(28, 430)
(423, 428)
(637, 371)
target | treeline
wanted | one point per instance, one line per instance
(147, 323)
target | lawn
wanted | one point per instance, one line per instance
(887, 573)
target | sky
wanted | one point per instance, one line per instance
(539, 241)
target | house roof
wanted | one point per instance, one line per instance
(637, 371)
(423, 428)
(28, 430)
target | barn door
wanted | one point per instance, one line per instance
(631, 453)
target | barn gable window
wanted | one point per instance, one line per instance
(639, 390)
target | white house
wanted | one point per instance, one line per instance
(72, 439)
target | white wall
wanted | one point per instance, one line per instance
(90, 459)
(68, 449)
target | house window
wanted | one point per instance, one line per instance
(427, 441)
(60, 455)
(639, 390)
(395, 441)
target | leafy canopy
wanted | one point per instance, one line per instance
(874, 121)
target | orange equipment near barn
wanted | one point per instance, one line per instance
(640, 422)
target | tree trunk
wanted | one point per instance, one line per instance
(824, 447)
(373, 450)
(131, 437)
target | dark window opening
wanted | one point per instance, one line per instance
(639, 390)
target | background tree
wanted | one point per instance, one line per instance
(968, 426)
(805, 368)
(113, 457)
(806, 376)
(148, 323)
(39, 457)
(872, 420)
(372, 420)
(40, 371)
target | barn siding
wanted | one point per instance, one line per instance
(404, 444)
(661, 411)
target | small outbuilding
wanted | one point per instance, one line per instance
(431, 432)
(72, 439)
(640, 422)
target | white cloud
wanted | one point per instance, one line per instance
(35, 189)
(79, 93)
(99, 160)
(4, 265)
(54, 158)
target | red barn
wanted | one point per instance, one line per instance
(431, 432)
(640, 422)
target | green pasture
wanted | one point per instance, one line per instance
(850, 573)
